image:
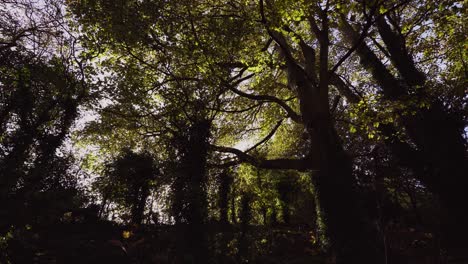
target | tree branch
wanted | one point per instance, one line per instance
(280, 164)
(361, 38)
(268, 98)
(344, 90)
(272, 132)
(369, 22)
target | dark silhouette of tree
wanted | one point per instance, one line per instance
(434, 126)
(245, 217)
(39, 106)
(128, 180)
(189, 190)
(225, 181)
(346, 117)
(285, 188)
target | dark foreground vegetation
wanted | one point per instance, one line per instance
(233, 131)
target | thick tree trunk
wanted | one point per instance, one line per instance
(193, 170)
(353, 236)
(196, 172)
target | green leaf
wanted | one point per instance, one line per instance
(382, 9)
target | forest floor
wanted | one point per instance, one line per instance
(107, 242)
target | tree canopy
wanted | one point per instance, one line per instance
(234, 131)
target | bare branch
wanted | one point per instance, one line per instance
(268, 98)
(281, 164)
(272, 132)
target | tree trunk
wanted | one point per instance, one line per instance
(224, 186)
(193, 170)
(353, 237)
(138, 209)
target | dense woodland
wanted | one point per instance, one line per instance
(233, 131)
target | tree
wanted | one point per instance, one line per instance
(325, 150)
(39, 105)
(128, 180)
(277, 67)
(41, 90)
(431, 121)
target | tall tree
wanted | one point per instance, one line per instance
(432, 122)
(128, 180)
(41, 90)
(233, 57)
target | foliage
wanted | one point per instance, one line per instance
(128, 181)
(227, 129)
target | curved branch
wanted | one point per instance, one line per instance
(356, 44)
(268, 98)
(265, 139)
(343, 89)
(369, 60)
(279, 164)
(364, 33)
(277, 37)
(237, 111)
